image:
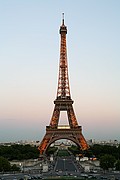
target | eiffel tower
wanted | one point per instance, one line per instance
(63, 102)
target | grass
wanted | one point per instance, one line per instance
(63, 153)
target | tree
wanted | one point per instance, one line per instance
(107, 161)
(100, 150)
(19, 152)
(117, 165)
(51, 150)
(4, 165)
(74, 149)
(15, 168)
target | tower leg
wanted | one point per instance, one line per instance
(82, 142)
(44, 144)
(71, 117)
(55, 117)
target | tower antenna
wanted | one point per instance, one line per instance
(62, 18)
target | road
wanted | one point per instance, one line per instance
(98, 176)
(65, 164)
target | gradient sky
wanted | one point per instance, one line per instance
(29, 60)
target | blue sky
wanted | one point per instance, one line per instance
(29, 60)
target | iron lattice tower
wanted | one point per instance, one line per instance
(63, 102)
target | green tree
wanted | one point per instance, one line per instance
(19, 152)
(51, 150)
(74, 149)
(15, 168)
(119, 152)
(99, 150)
(117, 165)
(107, 161)
(4, 165)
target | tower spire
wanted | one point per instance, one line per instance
(63, 19)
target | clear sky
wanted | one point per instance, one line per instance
(29, 59)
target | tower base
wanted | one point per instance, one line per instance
(54, 134)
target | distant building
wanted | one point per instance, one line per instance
(68, 143)
(108, 142)
(62, 146)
